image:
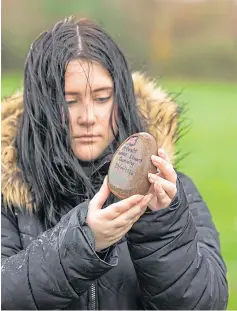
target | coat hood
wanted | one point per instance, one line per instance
(154, 104)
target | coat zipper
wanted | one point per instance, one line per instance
(92, 297)
(92, 290)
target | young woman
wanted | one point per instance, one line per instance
(67, 242)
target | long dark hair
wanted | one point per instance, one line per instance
(45, 157)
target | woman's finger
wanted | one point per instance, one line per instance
(162, 197)
(163, 155)
(132, 214)
(168, 187)
(165, 168)
(120, 232)
(116, 209)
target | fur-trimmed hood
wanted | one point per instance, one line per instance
(153, 103)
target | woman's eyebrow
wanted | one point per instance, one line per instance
(72, 93)
(104, 88)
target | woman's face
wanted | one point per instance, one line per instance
(89, 94)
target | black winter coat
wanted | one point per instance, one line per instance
(170, 259)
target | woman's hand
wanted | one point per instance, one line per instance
(163, 184)
(110, 224)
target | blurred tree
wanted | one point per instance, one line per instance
(161, 37)
(172, 38)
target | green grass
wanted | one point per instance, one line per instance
(212, 162)
(11, 82)
(212, 143)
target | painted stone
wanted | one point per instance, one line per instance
(129, 168)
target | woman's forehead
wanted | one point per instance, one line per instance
(81, 72)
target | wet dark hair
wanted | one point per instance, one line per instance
(45, 157)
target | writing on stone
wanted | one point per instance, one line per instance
(128, 160)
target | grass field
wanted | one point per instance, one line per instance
(212, 162)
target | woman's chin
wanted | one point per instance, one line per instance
(90, 152)
(87, 156)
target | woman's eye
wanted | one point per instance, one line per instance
(70, 102)
(102, 99)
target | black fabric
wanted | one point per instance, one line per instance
(170, 259)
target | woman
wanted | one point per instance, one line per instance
(67, 243)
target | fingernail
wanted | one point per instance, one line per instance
(155, 158)
(162, 151)
(151, 178)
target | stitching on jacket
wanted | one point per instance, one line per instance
(28, 279)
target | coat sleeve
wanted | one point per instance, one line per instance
(176, 254)
(55, 268)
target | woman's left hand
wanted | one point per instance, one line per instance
(163, 184)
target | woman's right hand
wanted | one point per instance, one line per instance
(110, 224)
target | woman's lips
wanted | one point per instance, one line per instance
(87, 138)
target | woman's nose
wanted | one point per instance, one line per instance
(87, 116)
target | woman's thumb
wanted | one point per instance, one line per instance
(102, 195)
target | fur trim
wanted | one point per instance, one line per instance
(159, 110)
(14, 190)
(155, 106)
